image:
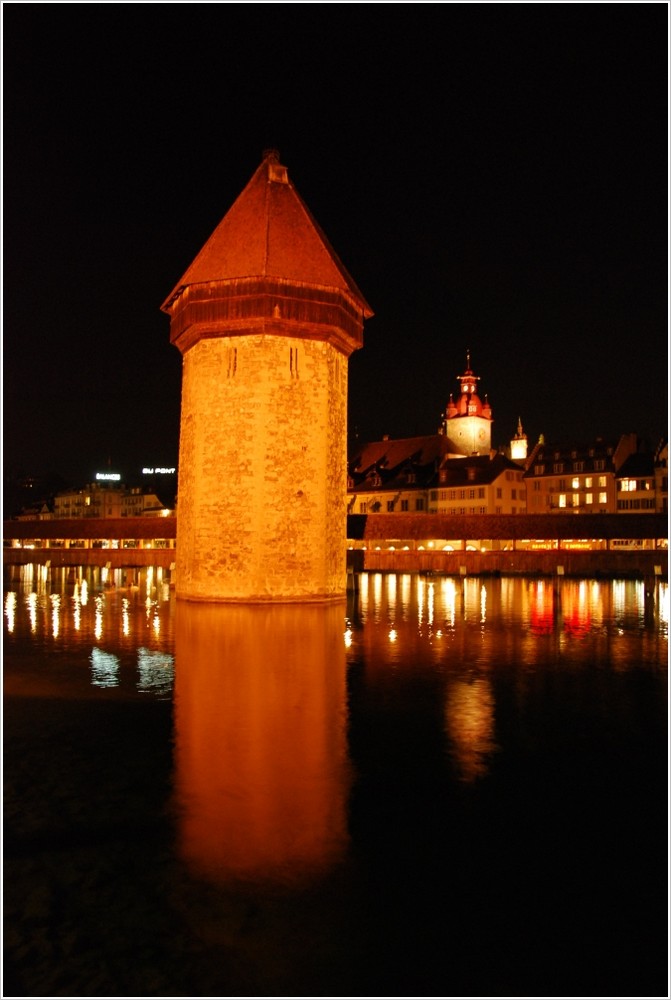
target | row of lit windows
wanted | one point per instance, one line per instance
(478, 494)
(573, 500)
(458, 494)
(587, 483)
(634, 485)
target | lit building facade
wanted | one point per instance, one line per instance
(577, 479)
(661, 466)
(97, 500)
(479, 485)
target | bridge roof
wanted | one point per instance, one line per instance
(88, 528)
(508, 526)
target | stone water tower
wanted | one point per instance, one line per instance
(265, 318)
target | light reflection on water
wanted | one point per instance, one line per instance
(367, 778)
(261, 769)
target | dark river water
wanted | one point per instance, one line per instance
(443, 787)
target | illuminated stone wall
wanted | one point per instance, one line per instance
(262, 470)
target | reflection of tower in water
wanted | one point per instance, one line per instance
(260, 743)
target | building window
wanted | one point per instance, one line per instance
(602, 480)
(482, 510)
(471, 494)
(433, 495)
(419, 504)
(575, 483)
(443, 494)
(588, 498)
(558, 467)
(363, 507)
(462, 494)
(499, 493)
(404, 504)
(453, 494)
(599, 464)
(562, 499)
(537, 487)
(588, 482)
(539, 470)
(576, 499)
(481, 493)
(390, 506)
(513, 494)
(603, 498)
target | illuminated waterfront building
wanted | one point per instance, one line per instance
(661, 467)
(108, 500)
(265, 318)
(600, 477)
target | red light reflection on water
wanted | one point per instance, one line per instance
(541, 608)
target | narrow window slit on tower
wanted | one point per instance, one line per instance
(293, 362)
(232, 361)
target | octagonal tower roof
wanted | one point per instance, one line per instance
(269, 232)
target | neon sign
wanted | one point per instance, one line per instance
(158, 471)
(113, 476)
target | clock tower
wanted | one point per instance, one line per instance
(468, 421)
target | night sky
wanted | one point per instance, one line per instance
(493, 176)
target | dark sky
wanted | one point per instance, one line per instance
(493, 176)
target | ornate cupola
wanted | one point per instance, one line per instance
(469, 379)
(468, 422)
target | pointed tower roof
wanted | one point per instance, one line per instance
(269, 232)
